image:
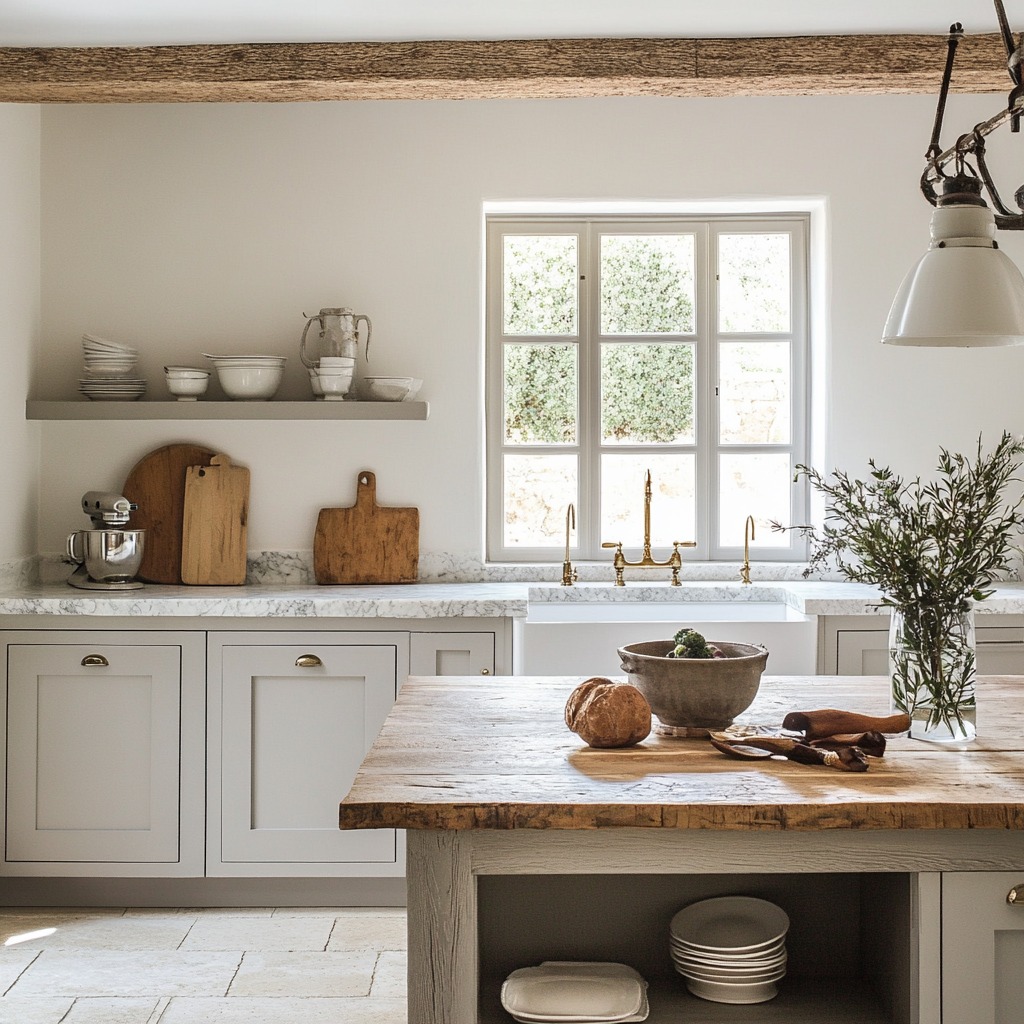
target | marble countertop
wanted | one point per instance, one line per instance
(440, 600)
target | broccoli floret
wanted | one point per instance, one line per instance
(691, 644)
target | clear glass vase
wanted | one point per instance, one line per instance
(932, 671)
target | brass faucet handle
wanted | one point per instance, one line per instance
(684, 543)
(611, 544)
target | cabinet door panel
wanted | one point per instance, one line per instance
(292, 740)
(92, 753)
(451, 654)
(982, 948)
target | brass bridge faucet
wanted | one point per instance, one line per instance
(569, 574)
(673, 562)
(748, 536)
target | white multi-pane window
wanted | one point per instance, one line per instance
(675, 346)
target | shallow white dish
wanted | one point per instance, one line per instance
(390, 389)
(719, 993)
(732, 979)
(738, 967)
(573, 992)
(768, 955)
(730, 924)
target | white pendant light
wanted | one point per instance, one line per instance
(965, 291)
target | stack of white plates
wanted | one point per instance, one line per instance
(110, 389)
(573, 992)
(730, 949)
(109, 369)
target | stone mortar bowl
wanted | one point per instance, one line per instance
(695, 693)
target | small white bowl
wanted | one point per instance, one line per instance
(391, 389)
(187, 389)
(250, 383)
(335, 385)
(186, 371)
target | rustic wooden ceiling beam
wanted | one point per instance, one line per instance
(476, 69)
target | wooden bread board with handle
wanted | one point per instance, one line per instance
(367, 542)
(215, 525)
(157, 485)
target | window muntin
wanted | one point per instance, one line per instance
(680, 347)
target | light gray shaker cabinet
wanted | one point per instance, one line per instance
(104, 753)
(858, 645)
(290, 717)
(982, 947)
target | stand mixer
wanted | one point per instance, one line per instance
(108, 555)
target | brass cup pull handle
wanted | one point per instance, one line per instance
(1016, 895)
(308, 661)
(95, 659)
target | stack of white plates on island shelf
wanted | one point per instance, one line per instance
(730, 949)
(109, 369)
(574, 992)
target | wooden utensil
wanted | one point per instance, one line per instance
(845, 759)
(828, 722)
(215, 525)
(157, 485)
(366, 543)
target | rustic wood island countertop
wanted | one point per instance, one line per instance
(466, 753)
(526, 845)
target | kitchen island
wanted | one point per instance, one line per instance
(525, 845)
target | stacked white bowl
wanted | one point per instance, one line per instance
(252, 378)
(730, 949)
(109, 371)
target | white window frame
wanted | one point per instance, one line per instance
(587, 544)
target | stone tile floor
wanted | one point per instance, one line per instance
(300, 965)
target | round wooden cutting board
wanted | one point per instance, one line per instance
(157, 485)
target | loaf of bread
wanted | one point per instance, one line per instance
(608, 714)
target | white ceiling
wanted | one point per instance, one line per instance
(167, 22)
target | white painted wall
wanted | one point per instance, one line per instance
(19, 327)
(185, 229)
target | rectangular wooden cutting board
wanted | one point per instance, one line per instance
(367, 542)
(156, 484)
(215, 527)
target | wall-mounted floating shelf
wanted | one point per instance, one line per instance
(308, 410)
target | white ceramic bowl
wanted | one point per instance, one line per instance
(187, 389)
(732, 993)
(390, 389)
(335, 386)
(250, 360)
(186, 371)
(248, 382)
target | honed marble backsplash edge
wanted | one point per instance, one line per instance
(283, 568)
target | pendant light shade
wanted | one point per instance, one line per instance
(964, 291)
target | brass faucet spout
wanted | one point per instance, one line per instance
(748, 536)
(569, 574)
(647, 561)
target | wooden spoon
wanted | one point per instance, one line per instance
(845, 759)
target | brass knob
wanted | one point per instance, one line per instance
(1016, 895)
(485, 671)
(308, 661)
(95, 659)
